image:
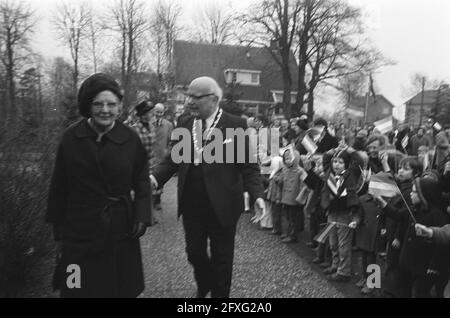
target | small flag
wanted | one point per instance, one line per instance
(405, 141)
(384, 125)
(437, 126)
(426, 161)
(324, 233)
(309, 145)
(383, 185)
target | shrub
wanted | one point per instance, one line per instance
(25, 240)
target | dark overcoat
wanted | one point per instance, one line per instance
(91, 208)
(367, 233)
(225, 182)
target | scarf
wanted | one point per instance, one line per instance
(335, 184)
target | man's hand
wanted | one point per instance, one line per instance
(396, 244)
(139, 229)
(353, 225)
(260, 210)
(423, 231)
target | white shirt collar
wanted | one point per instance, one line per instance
(210, 119)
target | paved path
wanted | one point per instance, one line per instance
(263, 266)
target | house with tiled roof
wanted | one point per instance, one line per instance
(252, 71)
(378, 107)
(415, 111)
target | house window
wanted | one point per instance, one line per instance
(243, 77)
(255, 78)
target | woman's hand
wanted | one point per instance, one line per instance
(139, 230)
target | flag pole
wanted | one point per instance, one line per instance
(407, 206)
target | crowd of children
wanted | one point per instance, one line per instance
(333, 186)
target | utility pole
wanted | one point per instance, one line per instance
(421, 101)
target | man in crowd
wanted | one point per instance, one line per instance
(161, 145)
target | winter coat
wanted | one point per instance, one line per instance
(367, 233)
(274, 189)
(90, 205)
(162, 131)
(291, 182)
(327, 142)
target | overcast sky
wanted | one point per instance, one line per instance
(413, 33)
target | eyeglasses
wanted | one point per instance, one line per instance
(98, 105)
(194, 97)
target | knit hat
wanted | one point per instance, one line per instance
(91, 87)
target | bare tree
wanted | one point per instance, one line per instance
(165, 29)
(275, 22)
(16, 26)
(168, 14)
(129, 21)
(331, 45)
(215, 23)
(72, 23)
(351, 86)
(95, 34)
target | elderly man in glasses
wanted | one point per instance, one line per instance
(210, 195)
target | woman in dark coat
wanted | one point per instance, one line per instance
(97, 223)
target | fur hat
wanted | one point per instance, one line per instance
(91, 87)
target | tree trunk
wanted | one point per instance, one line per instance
(311, 100)
(302, 57)
(287, 82)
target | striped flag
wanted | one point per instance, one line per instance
(405, 141)
(437, 126)
(384, 125)
(324, 233)
(383, 185)
(309, 145)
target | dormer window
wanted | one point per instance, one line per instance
(242, 77)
